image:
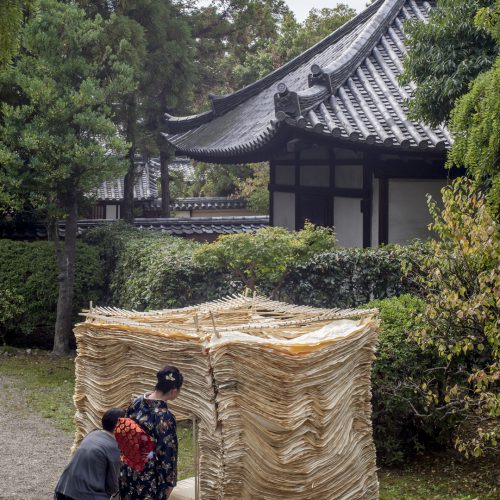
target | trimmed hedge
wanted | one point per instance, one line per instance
(29, 287)
(149, 270)
(350, 277)
(399, 370)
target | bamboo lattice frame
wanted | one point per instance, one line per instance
(281, 393)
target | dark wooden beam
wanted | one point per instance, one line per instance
(345, 192)
(414, 170)
(272, 177)
(297, 196)
(383, 211)
(366, 202)
(332, 183)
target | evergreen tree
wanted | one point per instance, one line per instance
(12, 15)
(158, 46)
(59, 142)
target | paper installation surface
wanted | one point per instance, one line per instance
(280, 393)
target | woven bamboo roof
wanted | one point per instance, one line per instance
(345, 87)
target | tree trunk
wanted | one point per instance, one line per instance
(165, 185)
(130, 177)
(66, 276)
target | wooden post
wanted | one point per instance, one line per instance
(196, 460)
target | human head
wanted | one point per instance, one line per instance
(169, 377)
(110, 418)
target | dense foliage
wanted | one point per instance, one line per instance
(12, 15)
(460, 279)
(342, 277)
(349, 277)
(293, 39)
(59, 140)
(255, 188)
(475, 121)
(398, 372)
(266, 257)
(28, 284)
(444, 56)
(150, 270)
(155, 41)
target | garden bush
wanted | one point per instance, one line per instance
(28, 288)
(400, 427)
(350, 277)
(150, 270)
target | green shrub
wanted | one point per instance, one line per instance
(264, 259)
(150, 270)
(350, 277)
(401, 428)
(28, 272)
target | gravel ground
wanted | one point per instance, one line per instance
(33, 451)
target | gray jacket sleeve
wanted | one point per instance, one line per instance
(112, 473)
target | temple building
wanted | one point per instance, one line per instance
(333, 124)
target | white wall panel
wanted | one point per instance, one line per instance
(348, 222)
(284, 210)
(408, 212)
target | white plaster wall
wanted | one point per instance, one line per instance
(348, 222)
(112, 211)
(408, 212)
(284, 210)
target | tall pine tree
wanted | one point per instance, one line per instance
(60, 141)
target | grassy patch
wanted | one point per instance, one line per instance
(443, 477)
(47, 384)
(185, 466)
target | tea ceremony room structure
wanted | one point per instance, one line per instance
(279, 395)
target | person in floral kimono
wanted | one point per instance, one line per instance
(151, 412)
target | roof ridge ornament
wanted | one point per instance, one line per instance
(286, 103)
(324, 81)
(336, 73)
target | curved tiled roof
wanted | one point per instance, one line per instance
(145, 187)
(202, 203)
(146, 184)
(345, 87)
(178, 227)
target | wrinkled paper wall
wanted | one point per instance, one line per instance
(281, 393)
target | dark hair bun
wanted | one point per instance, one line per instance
(169, 377)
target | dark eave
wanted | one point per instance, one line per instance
(344, 88)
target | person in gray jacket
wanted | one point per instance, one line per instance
(94, 469)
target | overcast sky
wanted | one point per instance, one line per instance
(302, 7)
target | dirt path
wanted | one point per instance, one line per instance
(33, 451)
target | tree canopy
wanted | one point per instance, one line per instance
(266, 256)
(12, 15)
(444, 56)
(475, 121)
(59, 141)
